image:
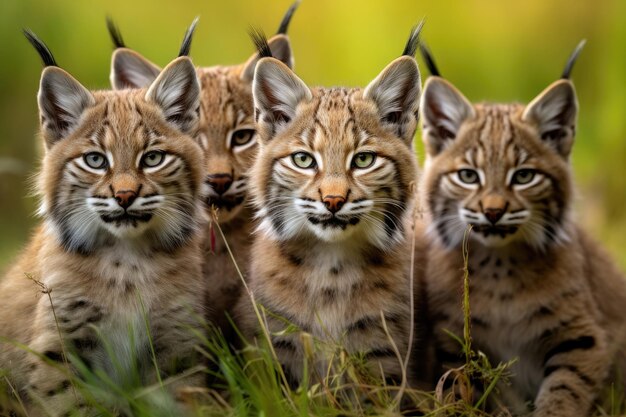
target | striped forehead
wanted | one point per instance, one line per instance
(122, 126)
(226, 100)
(496, 140)
(334, 127)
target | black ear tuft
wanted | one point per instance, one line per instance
(41, 48)
(284, 24)
(572, 60)
(115, 34)
(429, 60)
(185, 47)
(260, 42)
(414, 38)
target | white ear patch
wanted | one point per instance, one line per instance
(396, 92)
(444, 109)
(177, 91)
(62, 101)
(277, 92)
(554, 112)
(131, 70)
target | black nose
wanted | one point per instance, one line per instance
(494, 214)
(220, 182)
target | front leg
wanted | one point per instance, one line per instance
(575, 366)
(175, 333)
(65, 331)
(50, 389)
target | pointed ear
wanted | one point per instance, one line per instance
(553, 113)
(444, 110)
(130, 70)
(62, 101)
(177, 92)
(277, 92)
(396, 92)
(281, 50)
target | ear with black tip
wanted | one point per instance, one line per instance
(396, 92)
(444, 109)
(280, 48)
(277, 92)
(553, 113)
(62, 101)
(177, 92)
(131, 70)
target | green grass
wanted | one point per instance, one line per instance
(251, 381)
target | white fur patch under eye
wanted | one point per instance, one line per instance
(167, 159)
(454, 176)
(288, 162)
(363, 171)
(536, 179)
(81, 163)
(238, 149)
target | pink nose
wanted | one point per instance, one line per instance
(334, 203)
(125, 198)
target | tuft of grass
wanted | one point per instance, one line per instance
(251, 381)
(458, 391)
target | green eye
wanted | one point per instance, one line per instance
(241, 137)
(363, 160)
(303, 160)
(523, 176)
(468, 176)
(95, 160)
(153, 159)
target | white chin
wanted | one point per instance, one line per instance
(333, 234)
(128, 230)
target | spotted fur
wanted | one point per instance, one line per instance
(540, 289)
(120, 241)
(228, 139)
(330, 254)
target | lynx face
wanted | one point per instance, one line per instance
(503, 169)
(226, 132)
(121, 164)
(335, 164)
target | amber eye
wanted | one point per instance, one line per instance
(303, 160)
(468, 176)
(364, 160)
(153, 159)
(241, 137)
(523, 176)
(95, 160)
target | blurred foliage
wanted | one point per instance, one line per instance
(491, 49)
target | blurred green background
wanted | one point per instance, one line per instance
(491, 49)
